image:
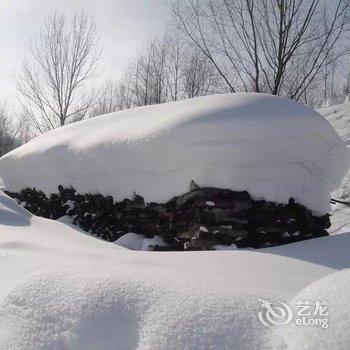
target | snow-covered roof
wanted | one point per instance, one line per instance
(273, 147)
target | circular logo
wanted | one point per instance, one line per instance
(274, 315)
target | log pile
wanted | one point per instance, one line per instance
(202, 219)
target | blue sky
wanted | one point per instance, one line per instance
(124, 25)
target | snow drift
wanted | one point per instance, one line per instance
(61, 289)
(333, 289)
(273, 147)
(339, 117)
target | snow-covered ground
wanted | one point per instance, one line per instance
(339, 117)
(273, 147)
(61, 289)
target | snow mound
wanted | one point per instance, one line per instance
(273, 147)
(11, 213)
(61, 309)
(339, 117)
(62, 289)
(334, 290)
(135, 241)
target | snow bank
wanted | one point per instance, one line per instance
(61, 289)
(334, 291)
(273, 147)
(11, 213)
(339, 117)
(339, 219)
(135, 241)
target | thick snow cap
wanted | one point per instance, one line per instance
(273, 147)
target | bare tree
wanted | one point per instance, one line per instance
(167, 69)
(24, 129)
(8, 133)
(114, 96)
(199, 76)
(108, 101)
(53, 85)
(149, 72)
(190, 72)
(175, 62)
(345, 71)
(265, 45)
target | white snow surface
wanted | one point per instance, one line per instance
(135, 241)
(339, 117)
(333, 290)
(61, 289)
(273, 147)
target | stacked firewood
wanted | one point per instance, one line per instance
(202, 219)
